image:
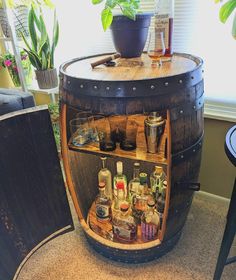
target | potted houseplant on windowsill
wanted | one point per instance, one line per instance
(41, 50)
(129, 29)
(20, 10)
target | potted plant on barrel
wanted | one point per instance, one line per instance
(129, 29)
(41, 50)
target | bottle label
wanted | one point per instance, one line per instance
(149, 231)
(122, 232)
(102, 212)
(162, 25)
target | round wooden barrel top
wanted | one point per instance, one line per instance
(130, 69)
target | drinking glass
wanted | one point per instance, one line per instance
(91, 127)
(129, 141)
(104, 133)
(156, 47)
(118, 127)
(79, 129)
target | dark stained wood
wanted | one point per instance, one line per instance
(33, 201)
(176, 89)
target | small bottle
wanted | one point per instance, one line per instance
(139, 202)
(123, 225)
(120, 177)
(161, 203)
(150, 222)
(156, 180)
(133, 185)
(164, 15)
(104, 175)
(120, 198)
(103, 205)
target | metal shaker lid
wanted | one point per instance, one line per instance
(154, 119)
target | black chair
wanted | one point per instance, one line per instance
(230, 228)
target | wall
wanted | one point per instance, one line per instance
(217, 173)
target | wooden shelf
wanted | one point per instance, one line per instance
(105, 229)
(140, 153)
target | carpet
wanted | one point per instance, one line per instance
(69, 257)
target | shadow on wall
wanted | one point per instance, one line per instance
(217, 173)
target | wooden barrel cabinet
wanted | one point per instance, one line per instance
(135, 88)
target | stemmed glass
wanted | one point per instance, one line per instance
(156, 47)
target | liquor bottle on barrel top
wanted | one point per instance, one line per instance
(161, 203)
(150, 222)
(103, 205)
(164, 22)
(123, 225)
(133, 185)
(156, 180)
(104, 175)
(120, 198)
(139, 201)
(120, 177)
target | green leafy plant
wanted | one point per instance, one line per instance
(55, 115)
(41, 50)
(129, 8)
(225, 11)
(35, 3)
(8, 61)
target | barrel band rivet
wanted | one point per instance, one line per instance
(134, 88)
(166, 84)
(68, 82)
(180, 81)
(181, 111)
(95, 87)
(107, 88)
(152, 86)
(81, 86)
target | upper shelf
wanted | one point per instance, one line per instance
(140, 153)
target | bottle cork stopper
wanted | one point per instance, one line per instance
(124, 207)
(158, 169)
(101, 185)
(119, 167)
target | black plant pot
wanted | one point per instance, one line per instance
(129, 36)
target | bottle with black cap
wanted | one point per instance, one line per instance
(161, 201)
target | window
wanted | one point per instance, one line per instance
(197, 30)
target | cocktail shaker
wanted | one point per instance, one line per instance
(154, 126)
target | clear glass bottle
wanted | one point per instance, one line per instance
(161, 203)
(164, 15)
(120, 177)
(120, 198)
(150, 222)
(103, 205)
(133, 185)
(157, 178)
(139, 201)
(104, 175)
(123, 225)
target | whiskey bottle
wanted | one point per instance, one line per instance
(123, 225)
(156, 180)
(150, 222)
(120, 198)
(139, 201)
(161, 203)
(120, 177)
(133, 185)
(164, 15)
(103, 205)
(104, 175)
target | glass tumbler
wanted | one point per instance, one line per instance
(104, 133)
(79, 129)
(129, 141)
(91, 128)
(118, 127)
(156, 47)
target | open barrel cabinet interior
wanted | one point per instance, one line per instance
(134, 88)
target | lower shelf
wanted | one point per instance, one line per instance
(105, 230)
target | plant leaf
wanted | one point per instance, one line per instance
(226, 10)
(107, 18)
(32, 30)
(97, 1)
(111, 3)
(234, 27)
(35, 61)
(129, 12)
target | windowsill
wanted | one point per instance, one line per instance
(220, 109)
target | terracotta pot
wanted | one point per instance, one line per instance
(47, 78)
